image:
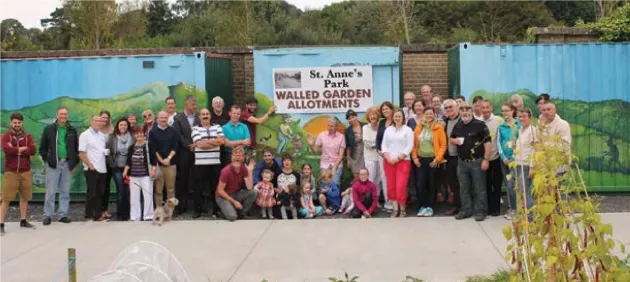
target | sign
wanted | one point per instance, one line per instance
(322, 89)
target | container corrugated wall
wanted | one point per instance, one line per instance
(86, 85)
(219, 80)
(589, 82)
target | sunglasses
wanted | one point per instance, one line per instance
(146, 116)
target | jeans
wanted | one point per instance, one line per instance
(244, 196)
(494, 179)
(282, 142)
(122, 195)
(451, 177)
(57, 180)
(509, 183)
(207, 178)
(472, 185)
(397, 176)
(426, 189)
(522, 180)
(94, 195)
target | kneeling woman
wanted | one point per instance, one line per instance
(141, 168)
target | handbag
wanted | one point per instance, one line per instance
(158, 171)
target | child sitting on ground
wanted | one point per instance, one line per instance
(308, 210)
(266, 199)
(290, 200)
(346, 201)
(329, 193)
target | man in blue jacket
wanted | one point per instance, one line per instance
(268, 162)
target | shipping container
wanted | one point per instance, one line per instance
(589, 83)
(87, 85)
(311, 85)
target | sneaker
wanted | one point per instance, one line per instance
(422, 212)
(479, 217)
(461, 216)
(65, 219)
(26, 224)
(388, 206)
(47, 221)
(310, 215)
(428, 212)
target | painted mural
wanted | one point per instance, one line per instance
(289, 133)
(27, 93)
(589, 83)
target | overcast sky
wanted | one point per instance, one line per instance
(30, 12)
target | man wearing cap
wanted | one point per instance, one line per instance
(248, 118)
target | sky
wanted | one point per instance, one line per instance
(30, 12)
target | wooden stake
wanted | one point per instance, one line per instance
(72, 265)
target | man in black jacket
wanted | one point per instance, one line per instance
(59, 149)
(183, 123)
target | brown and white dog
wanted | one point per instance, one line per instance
(165, 212)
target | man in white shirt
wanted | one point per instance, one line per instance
(552, 125)
(494, 176)
(410, 97)
(92, 152)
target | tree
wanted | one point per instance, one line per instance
(15, 37)
(498, 21)
(160, 18)
(57, 33)
(131, 22)
(570, 12)
(94, 21)
(615, 27)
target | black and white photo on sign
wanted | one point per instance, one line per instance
(288, 79)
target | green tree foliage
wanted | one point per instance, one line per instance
(57, 33)
(570, 12)
(94, 21)
(15, 37)
(615, 27)
(160, 18)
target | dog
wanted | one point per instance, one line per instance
(165, 212)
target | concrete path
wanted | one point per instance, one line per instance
(433, 249)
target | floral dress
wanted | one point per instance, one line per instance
(265, 195)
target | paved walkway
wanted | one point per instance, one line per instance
(433, 249)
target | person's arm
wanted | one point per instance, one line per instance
(380, 135)
(317, 146)
(257, 171)
(441, 149)
(253, 119)
(408, 143)
(305, 205)
(416, 144)
(249, 180)
(340, 155)
(374, 193)
(8, 149)
(500, 144)
(565, 134)
(30, 146)
(83, 140)
(43, 146)
(333, 192)
(177, 125)
(221, 192)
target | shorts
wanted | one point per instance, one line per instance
(12, 182)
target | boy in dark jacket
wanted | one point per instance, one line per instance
(290, 200)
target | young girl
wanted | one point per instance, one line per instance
(290, 200)
(141, 167)
(308, 210)
(329, 193)
(346, 201)
(307, 175)
(266, 200)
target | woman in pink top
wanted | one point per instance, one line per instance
(332, 144)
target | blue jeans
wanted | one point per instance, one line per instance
(522, 176)
(509, 183)
(282, 143)
(472, 187)
(57, 180)
(122, 195)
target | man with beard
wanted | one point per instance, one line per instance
(247, 117)
(183, 124)
(472, 138)
(267, 162)
(208, 138)
(59, 149)
(18, 147)
(232, 199)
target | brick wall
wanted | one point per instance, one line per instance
(425, 68)
(242, 76)
(564, 35)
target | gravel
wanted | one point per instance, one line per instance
(609, 203)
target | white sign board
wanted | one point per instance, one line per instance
(322, 89)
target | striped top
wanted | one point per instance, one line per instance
(207, 156)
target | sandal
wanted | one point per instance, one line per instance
(394, 214)
(403, 214)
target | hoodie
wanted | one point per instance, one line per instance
(15, 162)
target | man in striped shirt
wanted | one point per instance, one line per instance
(208, 139)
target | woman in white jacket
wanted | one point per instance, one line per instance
(396, 147)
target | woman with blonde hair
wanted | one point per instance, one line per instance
(373, 162)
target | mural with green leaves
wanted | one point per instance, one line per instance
(601, 139)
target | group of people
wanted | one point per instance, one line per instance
(199, 157)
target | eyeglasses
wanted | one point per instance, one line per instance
(448, 107)
(146, 116)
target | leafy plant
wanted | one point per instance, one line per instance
(561, 238)
(345, 278)
(499, 276)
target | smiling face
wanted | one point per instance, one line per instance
(16, 125)
(123, 127)
(307, 170)
(486, 109)
(398, 118)
(204, 116)
(287, 163)
(451, 109)
(170, 105)
(437, 102)
(363, 175)
(524, 118)
(508, 113)
(409, 98)
(429, 115)
(62, 116)
(386, 111)
(235, 114)
(418, 108)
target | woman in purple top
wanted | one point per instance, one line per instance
(364, 196)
